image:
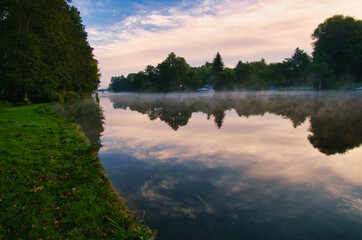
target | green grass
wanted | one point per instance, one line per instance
(52, 185)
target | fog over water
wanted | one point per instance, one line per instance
(239, 165)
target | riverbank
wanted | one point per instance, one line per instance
(52, 185)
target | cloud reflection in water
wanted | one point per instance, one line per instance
(255, 172)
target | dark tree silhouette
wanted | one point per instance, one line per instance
(338, 42)
(44, 52)
(217, 63)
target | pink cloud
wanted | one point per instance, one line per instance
(246, 31)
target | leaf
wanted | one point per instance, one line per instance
(35, 189)
(57, 224)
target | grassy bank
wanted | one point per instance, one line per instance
(52, 185)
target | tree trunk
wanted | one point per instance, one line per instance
(26, 100)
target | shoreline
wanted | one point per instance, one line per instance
(52, 183)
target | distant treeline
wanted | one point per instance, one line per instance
(336, 63)
(44, 53)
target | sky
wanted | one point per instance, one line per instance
(129, 35)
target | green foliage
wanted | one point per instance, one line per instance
(297, 65)
(172, 74)
(52, 185)
(139, 81)
(338, 43)
(217, 63)
(119, 84)
(252, 75)
(152, 74)
(225, 79)
(204, 74)
(44, 52)
(322, 76)
(277, 74)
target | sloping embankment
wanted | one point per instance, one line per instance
(52, 185)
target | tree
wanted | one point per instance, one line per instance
(83, 65)
(173, 72)
(120, 84)
(217, 64)
(338, 43)
(277, 75)
(20, 49)
(252, 75)
(139, 82)
(322, 76)
(44, 52)
(297, 65)
(204, 74)
(239, 65)
(153, 76)
(225, 79)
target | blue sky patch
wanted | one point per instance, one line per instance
(104, 13)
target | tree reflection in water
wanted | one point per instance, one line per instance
(335, 117)
(86, 113)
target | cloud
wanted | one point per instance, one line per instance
(240, 30)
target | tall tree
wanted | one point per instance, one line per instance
(153, 75)
(217, 63)
(297, 64)
(173, 72)
(20, 49)
(44, 51)
(338, 42)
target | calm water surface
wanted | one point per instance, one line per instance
(259, 165)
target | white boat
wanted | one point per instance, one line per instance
(206, 88)
(359, 88)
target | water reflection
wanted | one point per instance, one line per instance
(238, 165)
(86, 113)
(335, 118)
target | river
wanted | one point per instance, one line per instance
(237, 165)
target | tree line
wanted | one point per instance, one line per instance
(336, 63)
(44, 52)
